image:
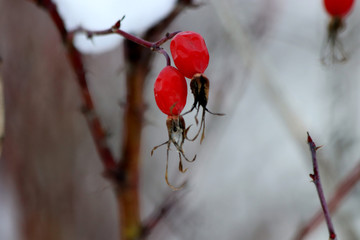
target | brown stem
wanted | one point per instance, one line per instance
(125, 174)
(138, 60)
(97, 131)
(128, 196)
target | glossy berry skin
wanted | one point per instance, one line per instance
(338, 8)
(170, 90)
(190, 53)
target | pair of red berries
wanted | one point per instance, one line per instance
(191, 58)
(337, 9)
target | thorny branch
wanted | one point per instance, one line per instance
(316, 179)
(342, 190)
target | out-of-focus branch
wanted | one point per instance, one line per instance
(74, 56)
(51, 8)
(342, 190)
(125, 173)
(159, 214)
(138, 63)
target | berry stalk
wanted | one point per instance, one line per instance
(153, 46)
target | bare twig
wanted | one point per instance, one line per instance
(316, 179)
(153, 46)
(342, 190)
(116, 29)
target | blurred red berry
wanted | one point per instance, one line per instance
(190, 53)
(170, 91)
(338, 8)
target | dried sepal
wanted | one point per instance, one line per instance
(199, 86)
(177, 135)
(181, 168)
(333, 50)
(167, 170)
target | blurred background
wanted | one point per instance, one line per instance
(251, 177)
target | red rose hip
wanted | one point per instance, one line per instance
(338, 8)
(170, 90)
(190, 53)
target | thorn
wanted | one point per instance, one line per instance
(312, 176)
(89, 35)
(318, 147)
(309, 139)
(118, 23)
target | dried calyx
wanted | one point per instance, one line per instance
(333, 49)
(200, 89)
(177, 135)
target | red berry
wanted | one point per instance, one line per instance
(170, 91)
(338, 8)
(190, 53)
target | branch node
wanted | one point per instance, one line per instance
(116, 175)
(89, 35)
